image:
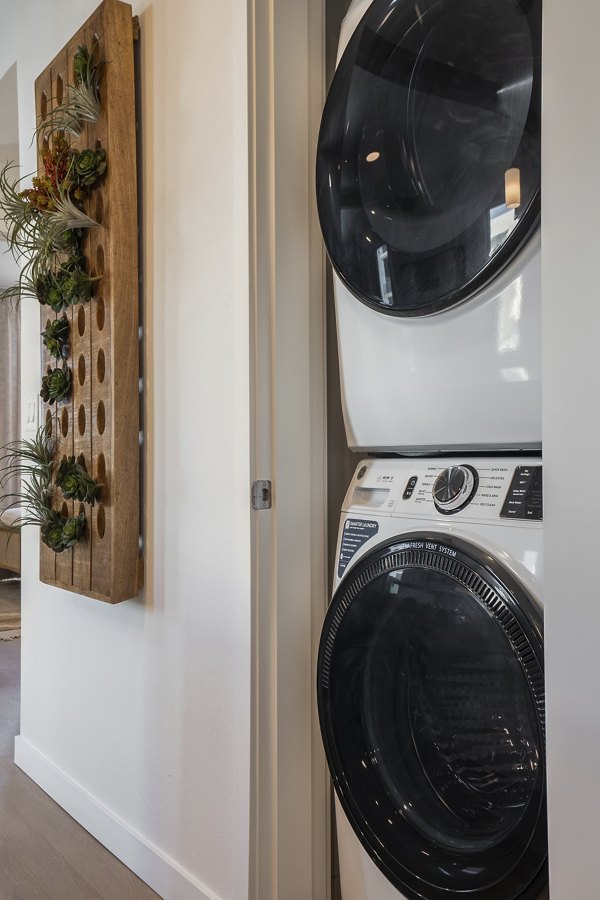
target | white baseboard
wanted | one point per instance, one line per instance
(170, 880)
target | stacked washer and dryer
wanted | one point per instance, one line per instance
(430, 672)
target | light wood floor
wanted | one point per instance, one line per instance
(44, 853)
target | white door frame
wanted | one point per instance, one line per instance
(289, 852)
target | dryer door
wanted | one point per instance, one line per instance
(431, 703)
(428, 165)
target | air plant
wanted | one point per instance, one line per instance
(45, 218)
(75, 482)
(30, 462)
(81, 102)
(17, 212)
(56, 385)
(56, 338)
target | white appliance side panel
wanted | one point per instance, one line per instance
(469, 377)
(360, 879)
(356, 11)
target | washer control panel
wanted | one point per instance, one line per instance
(481, 489)
(524, 498)
(454, 488)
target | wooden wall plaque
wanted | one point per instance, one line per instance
(100, 423)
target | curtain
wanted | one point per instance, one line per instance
(10, 399)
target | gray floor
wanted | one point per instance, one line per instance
(44, 853)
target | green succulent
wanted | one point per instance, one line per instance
(88, 166)
(59, 532)
(73, 530)
(66, 287)
(75, 482)
(56, 384)
(51, 532)
(56, 338)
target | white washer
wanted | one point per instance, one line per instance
(430, 681)
(428, 188)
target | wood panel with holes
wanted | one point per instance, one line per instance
(99, 425)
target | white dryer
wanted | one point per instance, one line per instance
(428, 190)
(430, 682)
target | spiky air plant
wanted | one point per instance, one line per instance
(17, 212)
(75, 483)
(81, 100)
(55, 337)
(56, 385)
(44, 219)
(32, 462)
(29, 463)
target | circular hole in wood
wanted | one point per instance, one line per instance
(81, 461)
(101, 365)
(81, 321)
(64, 511)
(100, 260)
(81, 509)
(101, 469)
(48, 323)
(101, 521)
(81, 419)
(45, 144)
(64, 422)
(81, 368)
(59, 88)
(49, 423)
(44, 104)
(101, 418)
(99, 212)
(100, 313)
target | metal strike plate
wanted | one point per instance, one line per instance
(261, 495)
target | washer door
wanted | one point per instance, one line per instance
(428, 164)
(431, 702)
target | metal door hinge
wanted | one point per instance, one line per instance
(261, 495)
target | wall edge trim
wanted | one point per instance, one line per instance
(155, 867)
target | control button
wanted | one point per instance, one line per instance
(361, 473)
(410, 486)
(454, 488)
(524, 499)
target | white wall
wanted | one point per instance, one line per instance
(136, 717)
(571, 378)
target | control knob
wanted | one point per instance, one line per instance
(454, 488)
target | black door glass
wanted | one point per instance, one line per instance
(428, 164)
(433, 726)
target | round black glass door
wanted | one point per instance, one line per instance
(431, 702)
(428, 163)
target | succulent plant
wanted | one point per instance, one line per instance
(75, 482)
(56, 338)
(56, 385)
(67, 286)
(61, 532)
(88, 166)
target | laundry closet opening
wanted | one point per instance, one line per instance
(10, 402)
